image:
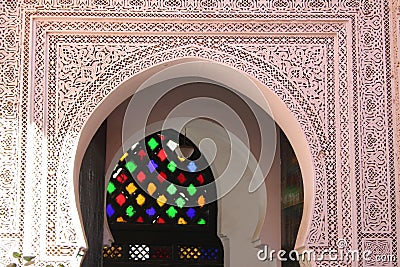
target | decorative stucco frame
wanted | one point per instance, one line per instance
(329, 62)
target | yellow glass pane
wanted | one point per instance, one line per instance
(201, 201)
(131, 188)
(161, 200)
(181, 221)
(151, 188)
(140, 199)
(123, 156)
(120, 219)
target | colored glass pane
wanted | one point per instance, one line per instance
(141, 176)
(160, 220)
(123, 156)
(209, 253)
(140, 199)
(110, 187)
(171, 166)
(171, 189)
(161, 200)
(122, 178)
(201, 201)
(172, 145)
(120, 220)
(191, 189)
(130, 211)
(192, 166)
(181, 178)
(140, 219)
(151, 188)
(131, 188)
(120, 199)
(201, 221)
(152, 166)
(181, 221)
(161, 252)
(151, 211)
(131, 166)
(141, 154)
(112, 252)
(171, 212)
(161, 155)
(189, 253)
(191, 212)
(200, 179)
(161, 177)
(110, 210)
(180, 202)
(152, 143)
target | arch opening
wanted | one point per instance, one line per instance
(283, 118)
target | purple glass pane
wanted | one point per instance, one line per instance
(110, 210)
(191, 213)
(152, 166)
(151, 212)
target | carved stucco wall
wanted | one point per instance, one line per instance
(329, 61)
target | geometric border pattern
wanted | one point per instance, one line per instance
(352, 120)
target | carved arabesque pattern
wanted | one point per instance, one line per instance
(83, 106)
(9, 65)
(368, 131)
(318, 231)
(305, 66)
(319, 235)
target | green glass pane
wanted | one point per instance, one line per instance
(110, 188)
(131, 166)
(191, 189)
(201, 221)
(180, 202)
(171, 189)
(130, 211)
(152, 143)
(171, 212)
(171, 166)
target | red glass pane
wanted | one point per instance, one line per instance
(122, 178)
(161, 252)
(160, 220)
(141, 176)
(142, 154)
(181, 178)
(161, 155)
(200, 179)
(140, 219)
(162, 137)
(162, 177)
(120, 199)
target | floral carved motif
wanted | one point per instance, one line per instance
(344, 80)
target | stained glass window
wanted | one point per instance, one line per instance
(157, 199)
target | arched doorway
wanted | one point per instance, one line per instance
(257, 226)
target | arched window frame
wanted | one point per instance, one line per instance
(176, 244)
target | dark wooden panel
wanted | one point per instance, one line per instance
(91, 194)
